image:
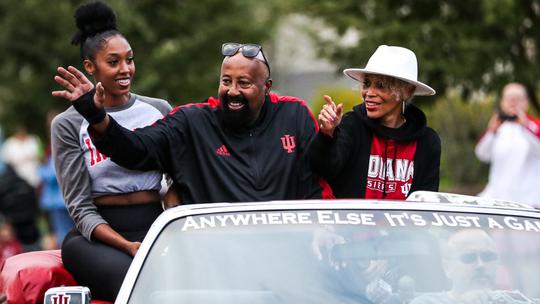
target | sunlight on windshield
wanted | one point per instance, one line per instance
(350, 256)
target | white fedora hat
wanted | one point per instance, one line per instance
(393, 61)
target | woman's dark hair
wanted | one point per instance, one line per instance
(96, 22)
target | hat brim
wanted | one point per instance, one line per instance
(421, 88)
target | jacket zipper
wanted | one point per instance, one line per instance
(254, 161)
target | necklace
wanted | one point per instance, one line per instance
(403, 122)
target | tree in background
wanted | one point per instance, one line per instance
(177, 48)
(470, 45)
(464, 47)
(460, 125)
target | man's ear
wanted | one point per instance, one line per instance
(267, 86)
(89, 66)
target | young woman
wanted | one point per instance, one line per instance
(112, 207)
(382, 148)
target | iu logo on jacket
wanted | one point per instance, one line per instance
(391, 169)
(288, 143)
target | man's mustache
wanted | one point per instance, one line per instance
(482, 276)
(227, 99)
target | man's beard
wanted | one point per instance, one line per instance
(481, 279)
(236, 119)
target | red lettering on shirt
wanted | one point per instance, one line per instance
(95, 156)
(390, 169)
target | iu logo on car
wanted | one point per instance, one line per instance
(60, 299)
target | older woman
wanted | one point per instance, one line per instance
(383, 147)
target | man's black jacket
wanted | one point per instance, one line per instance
(210, 163)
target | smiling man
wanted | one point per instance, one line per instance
(242, 94)
(247, 145)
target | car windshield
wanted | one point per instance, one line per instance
(344, 256)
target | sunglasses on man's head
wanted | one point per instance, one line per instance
(249, 50)
(485, 256)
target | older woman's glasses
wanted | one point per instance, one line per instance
(485, 256)
(249, 50)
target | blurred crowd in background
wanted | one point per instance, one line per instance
(33, 215)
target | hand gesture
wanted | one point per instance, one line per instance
(324, 240)
(77, 90)
(522, 118)
(99, 97)
(330, 116)
(376, 269)
(74, 83)
(494, 123)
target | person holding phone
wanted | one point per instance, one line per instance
(511, 145)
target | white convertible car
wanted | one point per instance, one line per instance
(434, 248)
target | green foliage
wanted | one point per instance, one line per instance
(463, 47)
(460, 125)
(32, 41)
(473, 45)
(348, 97)
(176, 45)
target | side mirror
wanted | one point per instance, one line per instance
(68, 295)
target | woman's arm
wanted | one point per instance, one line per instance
(72, 173)
(330, 149)
(75, 183)
(109, 236)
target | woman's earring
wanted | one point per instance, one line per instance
(403, 108)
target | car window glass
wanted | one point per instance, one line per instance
(347, 256)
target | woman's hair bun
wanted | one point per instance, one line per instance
(91, 19)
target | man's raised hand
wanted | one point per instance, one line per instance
(330, 116)
(80, 92)
(74, 82)
(99, 97)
